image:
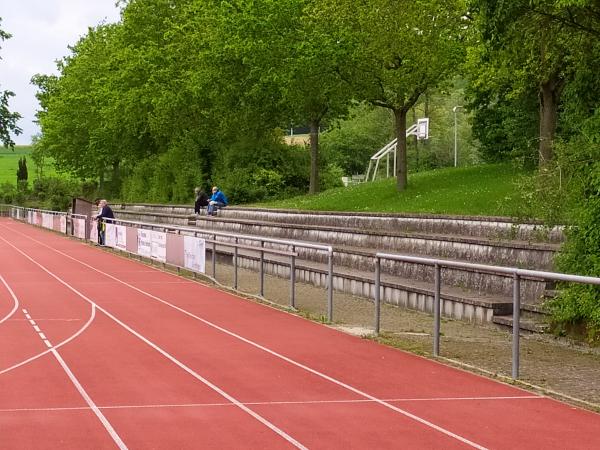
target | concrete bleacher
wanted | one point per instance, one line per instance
(356, 237)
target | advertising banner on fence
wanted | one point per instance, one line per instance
(194, 252)
(94, 231)
(62, 223)
(29, 216)
(79, 228)
(110, 237)
(48, 221)
(159, 246)
(144, 247)
(121, 233)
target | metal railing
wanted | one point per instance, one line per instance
(516, 274)
(240, 241)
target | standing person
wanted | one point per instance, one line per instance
(105, 213)
(201, 200)
(218, 200)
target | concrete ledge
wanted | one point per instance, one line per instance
(472, 309)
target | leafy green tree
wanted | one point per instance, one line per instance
(8, 119)
(398, 53)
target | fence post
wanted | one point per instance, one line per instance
(330, 287)
(516, 324)
(235, 264)
(262, 270)
(293, 278)
(436, 310)
(214, 257)
(377, 294)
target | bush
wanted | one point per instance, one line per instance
(55, 193)
(8, 193)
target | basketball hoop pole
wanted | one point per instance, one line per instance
(455, 136)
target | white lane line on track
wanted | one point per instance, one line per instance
(109, 428)
(36, 328)
(66, 341)
(199, 377)
(263, 348)
(273, 403)
(13, 296)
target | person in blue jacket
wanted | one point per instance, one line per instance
(218, 200)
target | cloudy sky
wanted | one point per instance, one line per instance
(41, 32)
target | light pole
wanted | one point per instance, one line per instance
(455, 136)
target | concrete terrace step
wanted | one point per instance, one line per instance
(497, 228)
(455, 302)
(486, 251)
(466, 294)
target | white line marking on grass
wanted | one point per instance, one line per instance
(199, 377)
(13, 296)
(259, 346)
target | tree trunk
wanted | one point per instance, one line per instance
(314, 156)
(401, 166)
(549, 93)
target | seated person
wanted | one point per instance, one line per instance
(201, 200)
(218, 200)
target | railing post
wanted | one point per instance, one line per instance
(262, 270)
(235, 264)
(377, 294)
(516, 324)
(330, 287)
(214, 257)
(293, 278)
(436, 310)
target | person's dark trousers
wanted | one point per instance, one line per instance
(212, 209)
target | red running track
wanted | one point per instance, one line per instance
(98, 351)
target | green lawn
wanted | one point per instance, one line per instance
(9, 161)
(478, 190)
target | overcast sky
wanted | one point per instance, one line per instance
(41, 32)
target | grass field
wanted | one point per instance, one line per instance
(477, 190)
(9, 161)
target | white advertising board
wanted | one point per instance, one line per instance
(121, 237)
(194, 252)
(144, 247)
(110, 236)
(159, 246)
(63, 224)
(47, 220)
(79, 228)
(94, 231)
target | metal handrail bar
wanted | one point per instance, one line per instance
(327, 248)
(251, 247)
(237, 237)
(515, 272)
(47, 211)
(490, 268)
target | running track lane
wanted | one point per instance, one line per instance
(320, 393)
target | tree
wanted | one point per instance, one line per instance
(8, 119)
(22, 174)
(534, 46)
(398, 53)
